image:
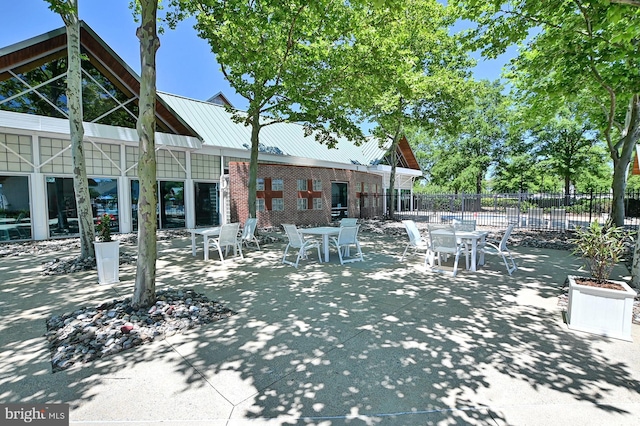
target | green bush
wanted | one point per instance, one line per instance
(601, 246)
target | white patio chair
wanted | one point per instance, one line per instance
(297, 241)
(416, 241)
(249, 232)
(348, 221)
(443, 243)
(558, 219)
(464, 225)
(500, 248)
(348, 237)
(536, 218)
(513, 215)
(228, 237)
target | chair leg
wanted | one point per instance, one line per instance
(455, 264)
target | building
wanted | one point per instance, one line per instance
(202, 155)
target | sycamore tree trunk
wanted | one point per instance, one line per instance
(253, 162)
(144, 293)
(69, 14)
(621, 155)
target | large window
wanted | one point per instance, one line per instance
(63, 212)
(15, 217)
(207, 204)
(170, 209)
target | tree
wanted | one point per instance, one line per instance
(572, 46)
(68, 10)
(286, 59)
(413, 73)
(145, 286)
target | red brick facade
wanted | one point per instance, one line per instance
(357, 183)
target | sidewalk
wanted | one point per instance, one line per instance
(371, 342)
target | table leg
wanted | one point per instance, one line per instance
(325, 243)
(481, 257)
(206, 247)
(193, 243)
(474, 250)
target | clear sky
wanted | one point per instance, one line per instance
(185, 64)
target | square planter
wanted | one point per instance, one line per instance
(602, 311)
(108, 261)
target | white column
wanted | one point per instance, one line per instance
(38, 197)
(189, 196)
(124, 195)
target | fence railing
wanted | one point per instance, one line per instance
(559, 212)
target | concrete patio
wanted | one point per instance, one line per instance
(374, 342)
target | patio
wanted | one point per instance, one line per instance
(378, 341)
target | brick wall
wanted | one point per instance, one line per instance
(238, 189)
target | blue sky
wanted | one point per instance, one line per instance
(186, 65)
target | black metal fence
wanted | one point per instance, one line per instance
(559, 212)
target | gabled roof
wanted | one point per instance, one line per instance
(38, 50)
(215, 126)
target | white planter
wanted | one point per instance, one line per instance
(108, 261)
(601, 311)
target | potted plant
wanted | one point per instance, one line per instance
(107, 252)
(597, 304)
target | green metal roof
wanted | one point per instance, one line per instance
(216, 128)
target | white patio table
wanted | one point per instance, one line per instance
(206, 234)
(474, 237)
(325, 231)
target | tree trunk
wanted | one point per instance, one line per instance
(253, 162)
(631, 134)
(74, 105)
(144, 293)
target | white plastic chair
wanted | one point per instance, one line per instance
(416, 241)
(464, 225)
(444, 242)
(348, 221)
(500, 248)
(513, 215)
(228, 237)
(348, 237)
(249, 231)
(558, 219)
(536, 218)
(297, 241)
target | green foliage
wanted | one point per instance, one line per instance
(103, 228)
(601, 246)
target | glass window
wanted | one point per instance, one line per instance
(317, 185)
(207, 204)
(366, 187)
(302, 185)
(63, 213)
(277, 204)
(170, 207)
(14, 208)
(277, 185)
(259, 184)
(260, 205)
(317, 203)
(302, 204)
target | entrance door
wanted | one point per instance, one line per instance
(339, 205)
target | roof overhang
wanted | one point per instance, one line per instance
(12, 121)
(404, 177)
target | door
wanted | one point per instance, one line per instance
(339, 200)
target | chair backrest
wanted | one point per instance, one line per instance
(512, 214)
(348, 234)
(229, 233)
(443, 240)
(348, 221)
(505, 237)
(249, 228)
(295, 239)
(464, 225)
(415, 238)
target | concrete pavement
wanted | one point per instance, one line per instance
(379, 342)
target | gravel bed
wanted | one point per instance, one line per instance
(93, 332)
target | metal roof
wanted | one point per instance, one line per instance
(216, 128)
